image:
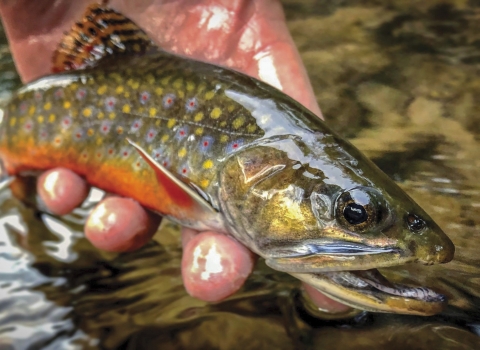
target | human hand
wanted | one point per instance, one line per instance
(249, 36)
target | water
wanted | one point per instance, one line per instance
(402, 82)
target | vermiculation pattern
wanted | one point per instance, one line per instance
(184, 121)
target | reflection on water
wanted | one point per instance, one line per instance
(403, 83)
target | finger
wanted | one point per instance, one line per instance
(61, 190)
(214, 266)
(323, 302)
(120, 225)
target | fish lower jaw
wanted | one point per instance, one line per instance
(369, 290)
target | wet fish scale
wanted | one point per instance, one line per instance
(184, 121)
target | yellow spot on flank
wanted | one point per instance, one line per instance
(31, 110)
(102, 89)
(67, 104)
(157, 123)
(112, 115)
(198, 131)
(150, 79)
(216, 113)
(190, 86)
(201, 87)
(47, 106)
(100, 115)
(230, 108)
(178, 83)
(180, 93)
(136, 48)
(171, 123)
(73, 86)
(126, 108)
(135, 85)
(159, 91)
(99, 141)
(251, 127)
(208, 164)
(119, 130)
(224, 138)
(204, 183)
(87, 112)
(238, 122)
(119, 89)
(152, 112)
(90, 132)
(13, 121)
(165, 80)
(223, 124)
(40, 119)
(209, 95)
(165, 138)
(182, 152)
(51, 118)
(198, 116)
(115, 76)
(126, 94)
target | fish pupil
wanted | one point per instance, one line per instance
(415, 223)
(355, 213)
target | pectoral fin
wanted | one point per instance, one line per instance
(5, 182)
(180, 192)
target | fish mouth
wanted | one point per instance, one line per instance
(369, 290)
(315, 257)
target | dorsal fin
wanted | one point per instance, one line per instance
(101, 32)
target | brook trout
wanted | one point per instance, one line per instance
(214, 149)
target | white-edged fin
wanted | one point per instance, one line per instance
(4, 183)
(172, 180)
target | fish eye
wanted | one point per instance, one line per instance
(355, 213)
(415, 223)
(360, 209)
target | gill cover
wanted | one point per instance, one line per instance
(305, 209)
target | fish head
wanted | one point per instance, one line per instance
(317, 207)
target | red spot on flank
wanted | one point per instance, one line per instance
(125, 153)
(192, 104)
(66, 122)
(235, 145)
(84, 155)
(99, 155)
(135, 125)
(169, 100)
(110, 103)
(184, 171)
(105, 128)
(165, 163)
(110, 151)
(205, 144)
(78, 135)
(182, 133)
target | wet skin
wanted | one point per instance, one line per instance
(248, 36)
